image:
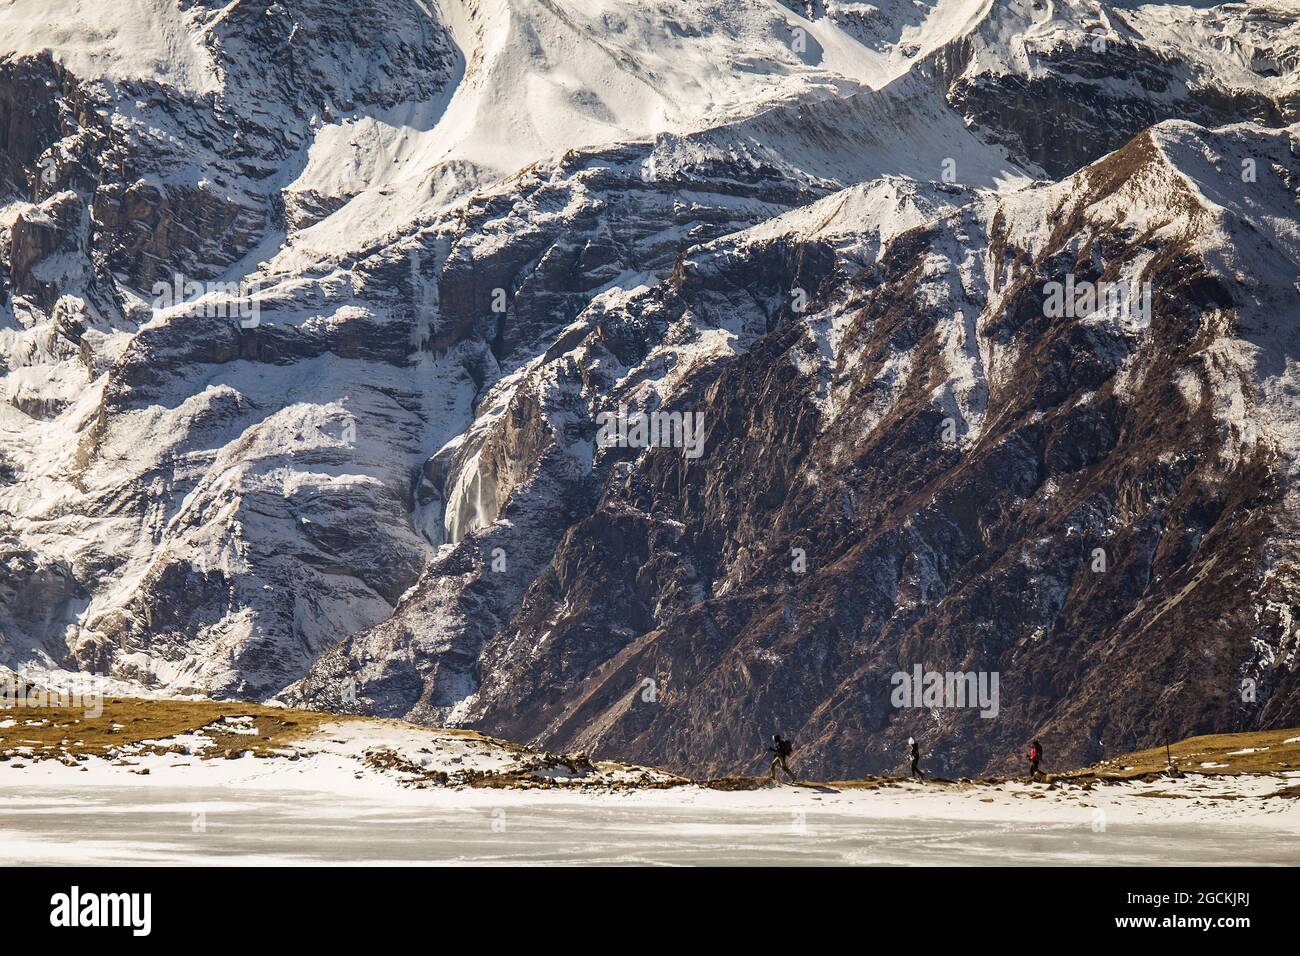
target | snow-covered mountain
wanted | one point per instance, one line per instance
(354, 461)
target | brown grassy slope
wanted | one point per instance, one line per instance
(1272, 755)
(128, 720)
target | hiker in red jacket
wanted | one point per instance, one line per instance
(1035, 755)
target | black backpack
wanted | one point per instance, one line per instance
(783, 747)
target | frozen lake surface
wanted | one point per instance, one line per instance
(152, 824)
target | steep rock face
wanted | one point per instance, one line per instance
(185, 177)
(1072, 536)
(1081, 78)
(234, 492)
(48, 250)
(31, 93)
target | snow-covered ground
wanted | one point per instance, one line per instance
(63, 823)
(324, 801)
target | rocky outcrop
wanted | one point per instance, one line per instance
(1085, 78)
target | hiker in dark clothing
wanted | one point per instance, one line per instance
(915, 753)
(1035, 755)
(782, 748)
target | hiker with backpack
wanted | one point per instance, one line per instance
(1035, 755)
(915, 753)
(782, 748)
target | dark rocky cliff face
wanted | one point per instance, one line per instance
(1093, 531)
(1066, 96)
